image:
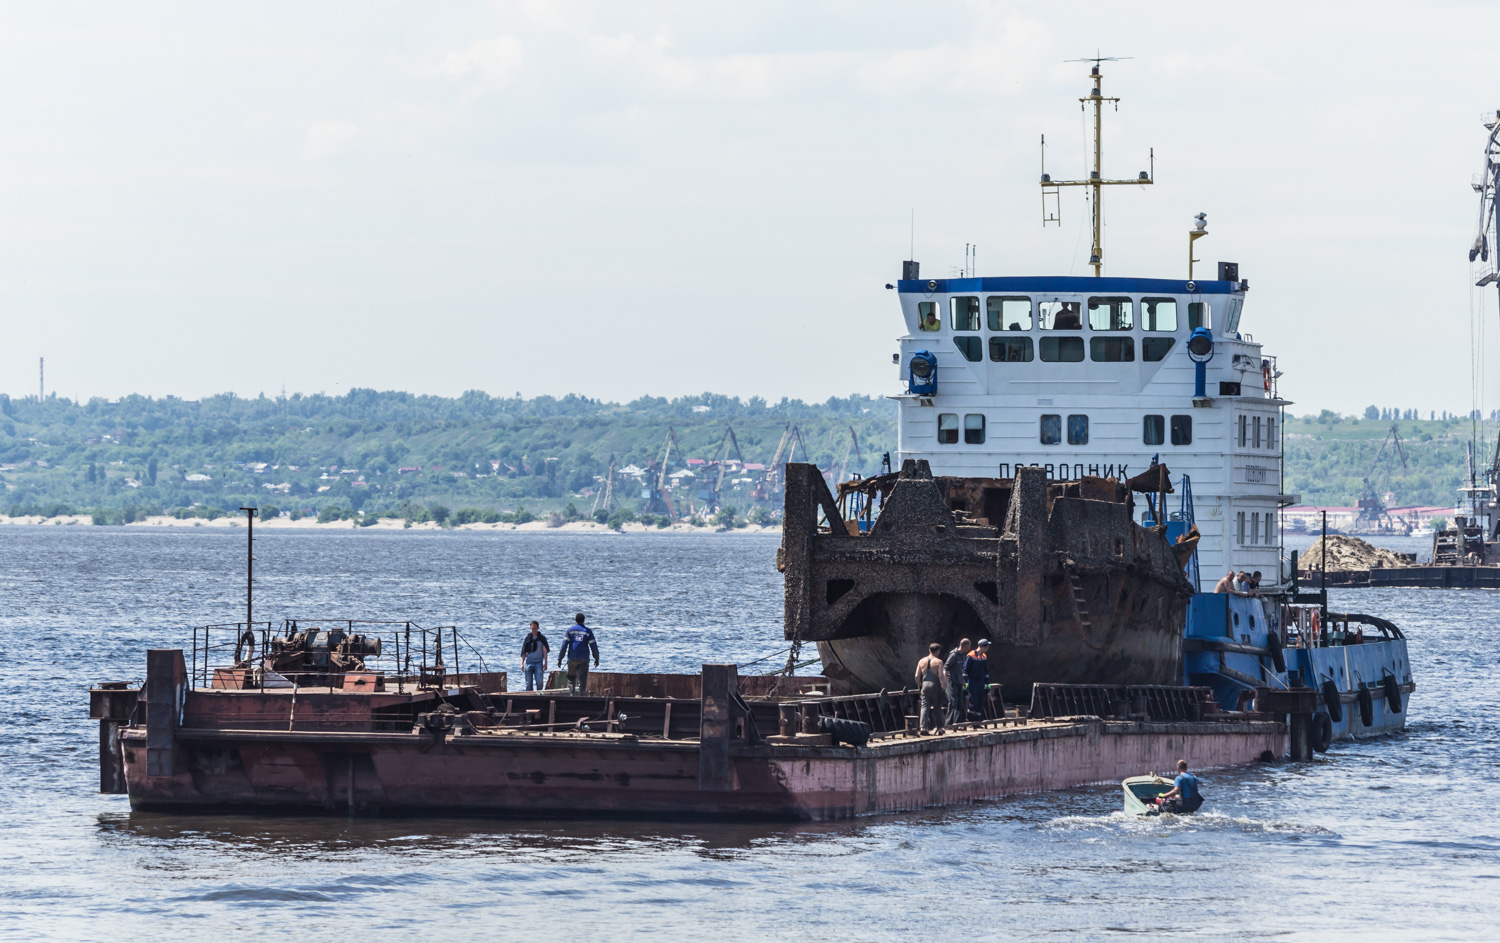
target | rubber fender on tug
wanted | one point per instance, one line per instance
(856, 733)
(1392, 693)
(1366, 707)
(1321, 734)
(1273, 642)
(1331, 701)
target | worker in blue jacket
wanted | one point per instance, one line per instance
(577, 643)
(977, 678)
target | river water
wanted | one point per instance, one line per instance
(1390, 839)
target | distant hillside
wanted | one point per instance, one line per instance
(388, 453)
(396, 454)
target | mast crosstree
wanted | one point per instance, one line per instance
(1096, 180)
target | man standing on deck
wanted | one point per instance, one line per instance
(534, 652)
(578, 642)
(977, 678)
(1184, 796)
(932, 679)
(954, 668)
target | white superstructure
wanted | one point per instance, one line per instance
(1092, 376)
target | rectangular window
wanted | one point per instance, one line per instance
(1270, 529)
(1051, 429)
(1240, 527)
(1257, 432)
(1109, 349)
(1011, 349)
(1159, 314)
(927, 319)
(1232, 315)
(963, 313)
(1182, 430)
(1154, 430)
(947, 428)
(1111, 314)
(1078, 430)
(1062, 349)
(1156, 348)
(1270, 433)
(1008, 314)
(1255, 527)
(974, 429)
(1198, 315)
(1060, 316)
(1243, 422)
(971, 347)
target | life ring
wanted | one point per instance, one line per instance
(1321, 734)
(1315, 629)
(1273, 642)
(1331, 701)
(1265, 374)
(1366, 707)
(1392, 693)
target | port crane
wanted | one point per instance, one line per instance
(1374, 517)
(841, 468)
(720, 458)
(658, 501)
(786, 450)
(605, 496)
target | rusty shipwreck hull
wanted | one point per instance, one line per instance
(171, 747)
(1068, 588)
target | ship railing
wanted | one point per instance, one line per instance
(233, 655)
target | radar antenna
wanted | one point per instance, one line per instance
(1096, 177)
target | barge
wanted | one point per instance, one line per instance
(456, 744)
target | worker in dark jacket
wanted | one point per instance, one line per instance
(953, 666)
(578, 642)
(977, 678)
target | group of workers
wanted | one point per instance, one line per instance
(578, 644)
(1239, 584)
(963, 678)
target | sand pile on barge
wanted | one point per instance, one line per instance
(1346, 554)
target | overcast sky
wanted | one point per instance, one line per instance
(617, 199)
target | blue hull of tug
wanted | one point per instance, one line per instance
(1218, 618)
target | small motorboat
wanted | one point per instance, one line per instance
(1141, 793)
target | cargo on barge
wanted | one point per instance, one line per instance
(457, 743)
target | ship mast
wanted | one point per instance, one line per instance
(1096, 177)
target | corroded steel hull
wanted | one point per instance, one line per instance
(1068, 588)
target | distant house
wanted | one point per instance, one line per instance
(696, 461)
(409, 469)
(199, 477)
(754, 466)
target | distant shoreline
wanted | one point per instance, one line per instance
(311, 524)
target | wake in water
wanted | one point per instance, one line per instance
(1211, 821)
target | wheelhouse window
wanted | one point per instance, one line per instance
(1008, 314)
(1270, 528)
(1239, 528)
(1011, 349)
(1110, 349)
(1078, 430)
(963, 313)
(1154, 349)
(971, 347)
(927, 319)
(1111, 314)
(1244, 424)
(947, 428)
(1051, 429)
(1182, 430)
(1159, 314)
(1153, 430)
(1232, 315)
(1256, 437)
(974, 429)
(1198, 315)
(1270, 433)
(1060, 316)
(1062, 349)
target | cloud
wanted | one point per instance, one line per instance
(494, 60)
(328, 138)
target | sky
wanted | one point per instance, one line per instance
(618, 200)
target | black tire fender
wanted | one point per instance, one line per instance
(1321, 734)
(1392, 693)
(1366, 707)
(1278, 657)
(1331, 701)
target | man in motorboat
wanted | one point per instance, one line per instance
(1184, 796)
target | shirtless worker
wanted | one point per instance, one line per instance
(932, 678)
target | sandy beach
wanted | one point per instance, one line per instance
(309, 523)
